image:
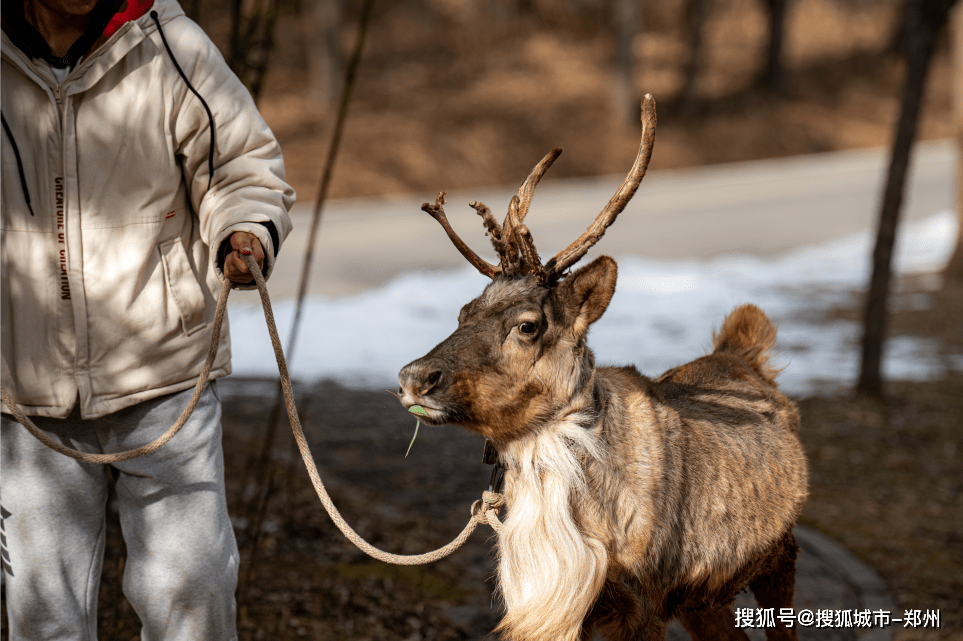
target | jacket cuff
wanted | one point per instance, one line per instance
(264, 231)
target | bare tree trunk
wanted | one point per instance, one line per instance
(774, 77)
(695, 18)
(897, 42)
(193, 9)
(252, 40)
(321, 24)
(954, 269)
(924, 18)
(626, 21)
(235, 53)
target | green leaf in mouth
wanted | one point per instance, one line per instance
(418, 410)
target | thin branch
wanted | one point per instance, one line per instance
(259, 466)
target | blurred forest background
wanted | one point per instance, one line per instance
(462, 93)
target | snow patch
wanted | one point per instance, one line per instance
(663, 314)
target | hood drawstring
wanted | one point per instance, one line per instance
(16, 152)
(210, 116)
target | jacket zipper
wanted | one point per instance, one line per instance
(43, 72)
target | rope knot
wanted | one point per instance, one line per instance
(494, 499)
(486, 510)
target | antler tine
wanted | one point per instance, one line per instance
(494, 230)
(528, 262)
(529, 254)
(571, 254)
(511, 262)
(438, 213)
(527, 188)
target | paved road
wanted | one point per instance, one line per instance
(761, 207)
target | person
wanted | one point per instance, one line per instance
(136, 170)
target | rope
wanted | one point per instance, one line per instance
(258, 464)
(482, 511)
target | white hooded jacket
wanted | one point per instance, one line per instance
(109, 276)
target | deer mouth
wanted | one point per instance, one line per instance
(425, 413)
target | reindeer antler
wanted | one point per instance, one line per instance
(438, 213)
(513, 240)
(505, 245)
(529, 262)
(527, 189)
(571, 254)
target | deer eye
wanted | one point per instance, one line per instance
(528, 328)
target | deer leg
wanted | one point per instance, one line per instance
(712, 624)
(622, 613)
(774, 587)
(615, 614)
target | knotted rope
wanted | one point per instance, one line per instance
(482, 511)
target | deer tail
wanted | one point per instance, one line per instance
(748, 333)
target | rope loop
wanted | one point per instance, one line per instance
(485, 510)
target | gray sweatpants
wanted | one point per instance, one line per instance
(181, 568)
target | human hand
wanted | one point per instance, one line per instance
(235, 269)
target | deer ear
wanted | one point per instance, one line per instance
(586, 293)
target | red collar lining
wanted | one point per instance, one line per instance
(131, 10)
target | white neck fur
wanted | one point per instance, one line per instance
(550, 573)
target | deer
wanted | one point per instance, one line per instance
(631, 500)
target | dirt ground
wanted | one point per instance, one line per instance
(887, 476)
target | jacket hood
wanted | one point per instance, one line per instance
(129, 10)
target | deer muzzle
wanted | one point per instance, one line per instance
(422, 382)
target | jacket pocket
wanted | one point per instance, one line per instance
(182, 286)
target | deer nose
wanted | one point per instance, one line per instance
(421, 378)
